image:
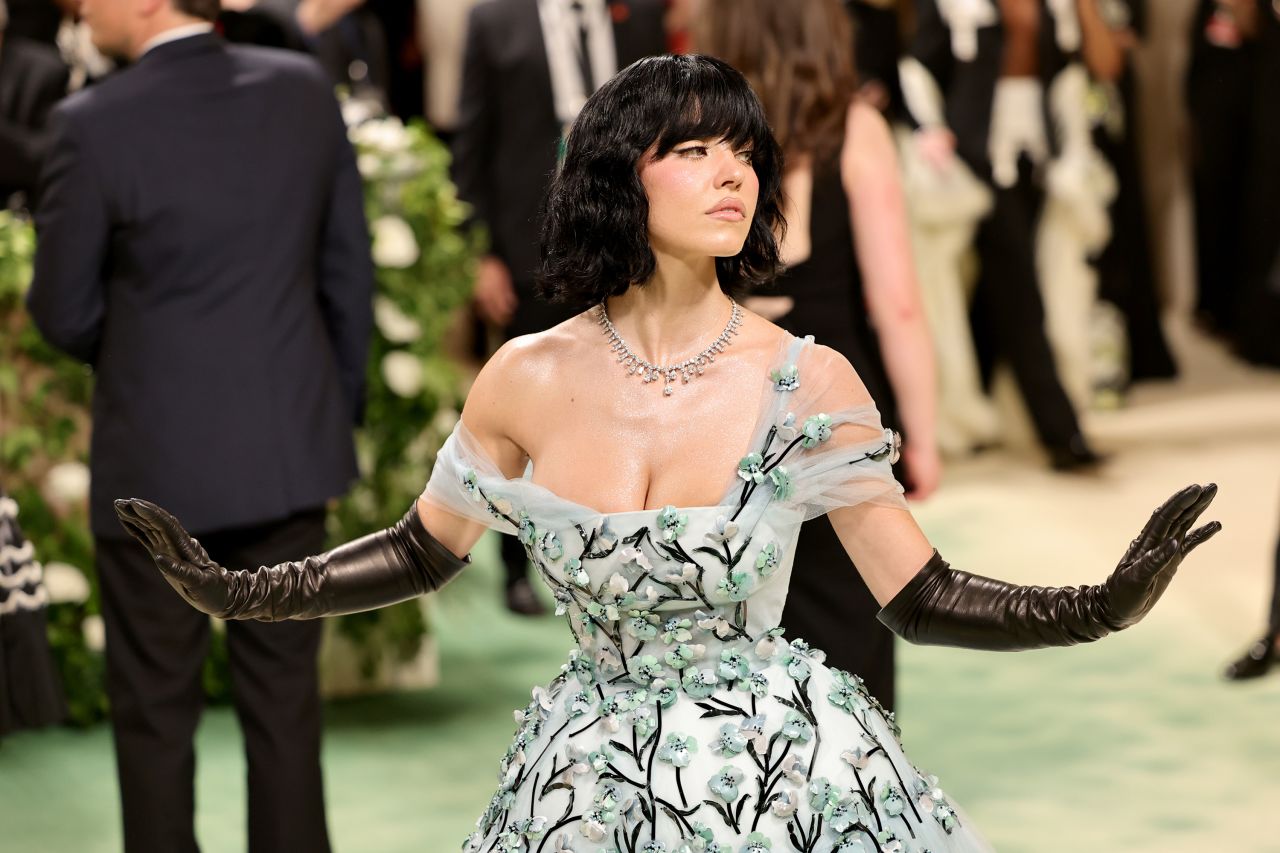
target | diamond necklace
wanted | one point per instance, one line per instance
(686, 369)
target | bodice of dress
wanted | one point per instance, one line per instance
(683, 721)
(674, 593)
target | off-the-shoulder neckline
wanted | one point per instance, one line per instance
(789, 350)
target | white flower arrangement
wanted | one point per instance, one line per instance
(394, 245)
(402, 372)
(386, 136)
(396, 326)
(67, 483)
(95, 633)
(65, 583)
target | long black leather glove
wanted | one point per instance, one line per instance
(392, 565)
(945, 607)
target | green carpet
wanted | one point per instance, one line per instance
(1131, 744)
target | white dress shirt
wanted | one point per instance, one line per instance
(182, 32)
(560, 35)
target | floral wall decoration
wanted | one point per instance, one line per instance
(425, 266)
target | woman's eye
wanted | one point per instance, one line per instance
(693, 151)
(746, 156)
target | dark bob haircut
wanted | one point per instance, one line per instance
(595, 228)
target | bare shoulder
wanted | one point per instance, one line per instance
(759, 336)
(839, 383)
(868, 140)
(522, 372)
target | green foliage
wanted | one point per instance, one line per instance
(44, 400)
(425, 272)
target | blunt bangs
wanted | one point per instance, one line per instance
(595, 236)
(707, 108)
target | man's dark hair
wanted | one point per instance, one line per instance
(595, 228)
(206, 10)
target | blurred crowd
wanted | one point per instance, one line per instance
(1059, 94)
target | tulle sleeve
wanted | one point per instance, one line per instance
(830, 449)
(466, 482)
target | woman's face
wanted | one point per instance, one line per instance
(702, 198)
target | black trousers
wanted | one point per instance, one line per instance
(1008, 313)
(155, 649)
(515, 560)
(830, 607)
(1220, 99)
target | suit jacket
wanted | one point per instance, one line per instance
(32, 79)
(968, 85)
(505, 149)
(202, 244)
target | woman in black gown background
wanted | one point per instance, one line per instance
(849, 281)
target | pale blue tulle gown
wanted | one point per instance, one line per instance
(683, 721)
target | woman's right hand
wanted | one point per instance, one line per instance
(204, 584)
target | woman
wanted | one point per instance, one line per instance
(682, 720)
(849, 281)
(1126, 274)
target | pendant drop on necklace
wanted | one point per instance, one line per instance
(686, 370)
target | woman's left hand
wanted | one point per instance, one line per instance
(1151, 560)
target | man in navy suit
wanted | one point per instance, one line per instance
(202, 245)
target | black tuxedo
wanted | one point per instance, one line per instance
(968, 87)
(1220, 100)
(506, 145)
(202, 244)
(1008, 314)
(1258, 315)
(32, 79)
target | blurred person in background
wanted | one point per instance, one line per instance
(442, 30)
(679, 22)
(1126, 272)
(1264, 653)
(33, 78)
(1258, 318)
(877, 47)
(201, 241)
(344, 36)
(849, 280)
(529, 67)
(39, 20)
(1220, 100)
(991, 67)
(1259, 329)
(241, 22)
